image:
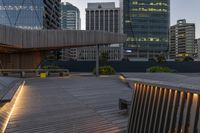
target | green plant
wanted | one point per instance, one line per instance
(105, 70)
(104, 57)
(160, 58)
(188, 58)
(51, 67)
(157, 69)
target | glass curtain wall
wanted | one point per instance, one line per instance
(22, 13)
(146, 22)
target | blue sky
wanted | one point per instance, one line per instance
(188, 9)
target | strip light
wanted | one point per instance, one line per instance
(8, 118)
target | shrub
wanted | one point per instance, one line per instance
(188, 58)
(105, 70)
(157, 69)
(50, 67)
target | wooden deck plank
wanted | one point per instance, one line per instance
(75, 104)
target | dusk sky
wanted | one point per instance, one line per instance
(189, 9)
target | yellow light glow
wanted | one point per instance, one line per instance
(196, 95)
(144, 86)
(135, 85)
(8, 118)
(121, 78)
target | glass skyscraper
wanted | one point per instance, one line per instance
(70, 17)
(30, 14)
(146, 22)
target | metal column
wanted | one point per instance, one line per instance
(97, 60)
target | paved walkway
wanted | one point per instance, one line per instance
(71, 105)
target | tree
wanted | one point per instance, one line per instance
(104, 57)
(160, 58)
(54, 55)
(188, 58)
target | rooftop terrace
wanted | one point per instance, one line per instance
(73, 104)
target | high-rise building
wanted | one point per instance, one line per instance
(182, 40)
(88, 53)
(30, 14)
(147, 25)
(103, 17)
(198, 48)
(195, 49)
(70, 20)
(70, 17)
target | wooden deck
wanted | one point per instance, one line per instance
(71, 105)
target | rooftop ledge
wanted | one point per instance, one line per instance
(186, 83)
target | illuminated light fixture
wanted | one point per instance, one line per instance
(195, 95)
(135, 85)
(128, 51)
(8, 118)
(121, 77)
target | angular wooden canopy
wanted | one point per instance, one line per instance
(11, 37)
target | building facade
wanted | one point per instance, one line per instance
(70, 20)
(147, 25)
(89, 53)
(70, 17)
(30, 14)
(182, 40)
(198, 48)
(102, 17)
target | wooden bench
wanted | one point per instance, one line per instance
(124, 104)
(22, 72)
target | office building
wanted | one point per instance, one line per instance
(102, 17)
(182, 40)
(89, 53)
(147, 24)
(198, 48)
(70, 20)
(70, 17)
(195, 49)
(30, 14)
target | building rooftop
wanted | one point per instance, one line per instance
(71, 104)
(101, 5)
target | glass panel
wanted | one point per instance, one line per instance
(22, 13)
(3, 16)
